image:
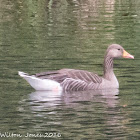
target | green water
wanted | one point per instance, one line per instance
(42, 35)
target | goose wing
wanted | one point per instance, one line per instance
(63, 74)
(82, 75)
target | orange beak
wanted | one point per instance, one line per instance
(127, 55)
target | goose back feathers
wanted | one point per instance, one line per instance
(71, 79)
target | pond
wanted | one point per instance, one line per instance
(44, 35)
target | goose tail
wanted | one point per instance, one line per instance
(40, 84)
(22, 74)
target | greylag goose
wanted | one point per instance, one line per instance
(71, 79)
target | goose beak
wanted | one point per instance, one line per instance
(127, 55)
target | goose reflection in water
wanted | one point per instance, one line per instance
(82, 109)
(54, 98)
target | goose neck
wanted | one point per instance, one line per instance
(108, 67)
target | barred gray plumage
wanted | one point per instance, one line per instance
(71, 79)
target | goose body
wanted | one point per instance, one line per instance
(71, 79)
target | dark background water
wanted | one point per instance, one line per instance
(43, 35)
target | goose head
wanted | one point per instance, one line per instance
(117, 51)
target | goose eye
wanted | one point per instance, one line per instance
(119, 49)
